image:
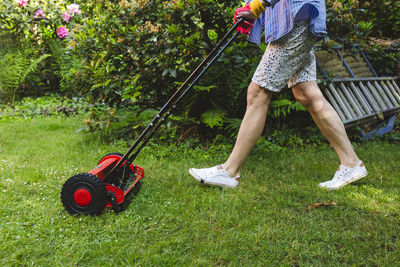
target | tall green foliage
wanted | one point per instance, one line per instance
(384, 15)
(367, 23)
(353, 20)
(30, 32)
(65, 64)
(15, 66)
(137, 51)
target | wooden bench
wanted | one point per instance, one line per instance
(359, 96)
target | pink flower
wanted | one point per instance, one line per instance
(39, 14)
(66, 16)
(21, 3)
(62, 32)
(73, 9)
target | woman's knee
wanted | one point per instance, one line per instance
(309, 96)
(257, 95)
(310, 101)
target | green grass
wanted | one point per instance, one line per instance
(176, 221)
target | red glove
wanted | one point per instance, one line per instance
(246, 25)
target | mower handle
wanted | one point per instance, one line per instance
(165, 111)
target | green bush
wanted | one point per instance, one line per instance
(16, 68)
(386, 57)
(29, 107)
(356, 21)
(34, 32)
(139, 52)
(132, 55)
(385, 17)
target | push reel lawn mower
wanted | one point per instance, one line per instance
(115, 180)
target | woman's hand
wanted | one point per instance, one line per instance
(249, 17)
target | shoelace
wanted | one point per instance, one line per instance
(340, 176)
(214, 173)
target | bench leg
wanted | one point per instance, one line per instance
(381, 129)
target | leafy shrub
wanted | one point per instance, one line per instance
(384, 15)
(45, 106)
(36, 21)
(369, 23)
(64, 65)
(30, 31)
(15, 68)
(355, 21)
(137, 52)
(344, 21)
(132, 55)
(386, 57)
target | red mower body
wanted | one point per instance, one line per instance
(105, 165)
(88, 193)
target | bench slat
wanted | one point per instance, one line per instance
(340, 102)
(374, 104)
(368, 109)
(335, 105)
(389, 94)
(383, 94)
(350, 98)
(393, 86)
(377, 97)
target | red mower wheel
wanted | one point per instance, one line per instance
(84, 193)
(82, 197)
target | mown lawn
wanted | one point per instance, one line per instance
(267, 221)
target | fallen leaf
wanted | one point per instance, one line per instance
(324, 204)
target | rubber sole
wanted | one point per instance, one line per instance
(201, 180)
(355, 178)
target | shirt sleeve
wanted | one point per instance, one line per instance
(256, 31)
(272, 3)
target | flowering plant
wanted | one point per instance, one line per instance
(35, 20)
(66, 16)
(62, 32)
(21, 3)
(39, 14)
(73, 9)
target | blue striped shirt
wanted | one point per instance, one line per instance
(283, 14)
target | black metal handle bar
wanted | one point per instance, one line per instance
(165, 111)
(168, 113)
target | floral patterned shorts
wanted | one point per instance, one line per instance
(288, 60)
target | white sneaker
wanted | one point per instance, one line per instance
(214, 176)
(345, 175)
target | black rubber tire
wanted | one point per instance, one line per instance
(129, 197)
(111, 154)
(90, 183)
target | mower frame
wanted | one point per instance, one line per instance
(116, 177)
